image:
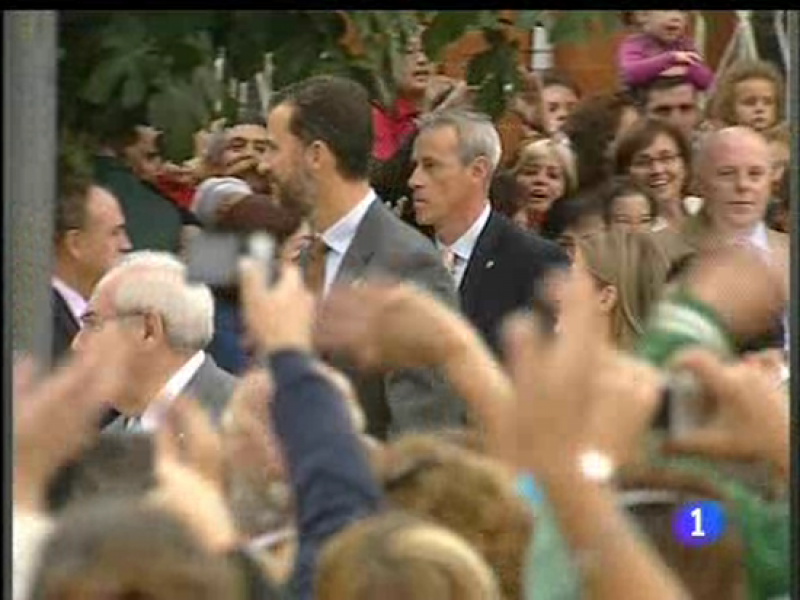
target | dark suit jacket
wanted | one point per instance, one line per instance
(65, 327)
(504, 274)
(328, 468)
(211, 386)
(416, 399)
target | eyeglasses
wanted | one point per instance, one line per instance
(648, 162)
(93, 322)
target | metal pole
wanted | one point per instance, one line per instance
(29, 173)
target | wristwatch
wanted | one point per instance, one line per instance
(596, 466)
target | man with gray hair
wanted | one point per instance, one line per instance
(167, 323)
(497, 267)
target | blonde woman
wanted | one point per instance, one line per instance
(545, 169)
(629, 271)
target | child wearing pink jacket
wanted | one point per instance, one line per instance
(662, 48)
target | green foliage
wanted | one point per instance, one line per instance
(118, 68)
(448, 26)
(495, 72)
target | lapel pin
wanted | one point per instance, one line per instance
(490, 264)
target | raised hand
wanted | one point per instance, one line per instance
(280, 317)
(749, 416)
(189, 472)
(387, 326)
(54, 419)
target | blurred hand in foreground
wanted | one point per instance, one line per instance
(73, 399)
(279, 317)
(189, 463)
(749, 416)
(385, 325)
(575, 393)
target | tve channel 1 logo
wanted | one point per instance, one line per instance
(699, 523)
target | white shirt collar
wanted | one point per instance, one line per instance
(77, 304)
(339, 235)
(152, 415)
(465, 245)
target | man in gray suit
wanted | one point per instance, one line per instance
(318, 152)
(166, 322)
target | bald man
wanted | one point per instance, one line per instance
(733, 167)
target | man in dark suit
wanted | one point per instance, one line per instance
(89, 237)
(497, 267)
(318, 152)
(167, 323)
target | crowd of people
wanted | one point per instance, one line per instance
(485, 360)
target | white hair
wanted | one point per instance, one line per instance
(156, 281)
(477, 135)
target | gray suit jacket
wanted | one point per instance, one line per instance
(406, 400)
(211, 386)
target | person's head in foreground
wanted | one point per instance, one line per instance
(470, 494)
(399, 557)
(123, 550)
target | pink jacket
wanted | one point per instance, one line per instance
(642, 58)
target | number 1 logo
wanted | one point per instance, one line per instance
(699, 523)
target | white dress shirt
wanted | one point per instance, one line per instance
(339, 236)
(77, 304)
(155, 411)
(464, 246)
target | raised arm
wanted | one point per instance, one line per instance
(391, 326)
(554, 381)
(328, 468)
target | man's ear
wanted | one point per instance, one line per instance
(153, 328)
(481, 169)
(317, 154)
(608, 298)
(72, 243)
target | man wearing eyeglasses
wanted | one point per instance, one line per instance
(166, 323)
(90, 236)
